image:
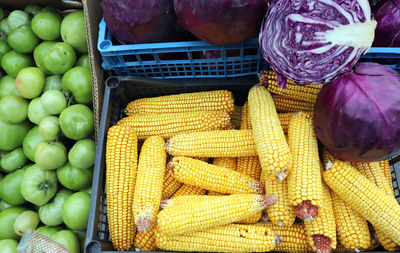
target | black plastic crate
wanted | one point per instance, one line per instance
(119, 92)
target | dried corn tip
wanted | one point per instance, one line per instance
(222, 143)
(373, 171)
(236, 117)
(281, 213)
(352, 229)
(187, 189)
(226, 162)
(292, 90)
(285, 105)
(193, 216)
(218, 100)
(362, 195)
(304, 181)
(249, 165)
(149, 183)
(227, 238)
(169, 124)
(385, 166)
(146, 241)
(121, 169)
(272, 148)
(212, 178)
(170, 185)
(245, 122)
(322, 230)
(292, 238)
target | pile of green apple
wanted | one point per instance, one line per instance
(47, 150)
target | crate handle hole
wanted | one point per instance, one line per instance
(105, 44)
(112, 82)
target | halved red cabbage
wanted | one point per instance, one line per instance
(357, 117)
(387, 33)
(316, 41)
(221, 22)
(142, 21)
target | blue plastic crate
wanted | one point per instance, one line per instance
(188, 59)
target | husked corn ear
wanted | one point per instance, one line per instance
(284, 104)
(168, 124)
(322, 230)
(291, 238)
(149, 183)
(380, 209)
(230, 126)
(304, 181)
(218, 100)
(272, 148)
(198, 198)
(284, 118)
(373, 171)
(227, 238)
(226, 162)
(210, 212)
(146, 241)
(121, 168)
(292, 90)
(245, 122)
(170, 185)
(222, 143)
(211, 177)
(187, 189)
(352, 228)
(236, 117)
(281, 213)
(385, 166)
(249, 165)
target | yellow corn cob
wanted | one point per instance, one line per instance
(170, 185)
(236, 116)
(149, 183)
(186, 189)
(375, 174)
(285, 105)
(222, 143)
(197, 198)
(121, 168)
(227, 238)
(210, 212)
(245, 122)
(294, 91)
(272, 148)
(281, 213)
(304, 181)
(380, 209)
(226, 162)
(146, 241)
(169, 124)
(322, 230)
(385, 166)
(352, 228)
(291, 238)
(249, 165)
(218, 100)
(211, 177)
(284, 118)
